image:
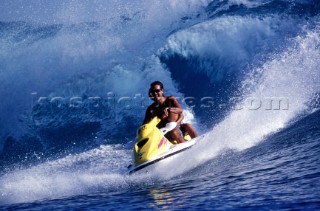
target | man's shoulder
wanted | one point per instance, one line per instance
(172, 97)
(173, 101)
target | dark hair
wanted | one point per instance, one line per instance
(156, 83)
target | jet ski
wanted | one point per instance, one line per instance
(151, 146)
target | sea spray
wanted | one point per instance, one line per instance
(285, 85)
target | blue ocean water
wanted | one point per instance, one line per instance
(74, 78)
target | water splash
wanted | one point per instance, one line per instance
(286, 83)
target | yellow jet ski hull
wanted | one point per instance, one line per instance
(152, 146)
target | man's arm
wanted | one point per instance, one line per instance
(148, 115)
(176, 109)
(175, 106)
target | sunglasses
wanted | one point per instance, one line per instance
(155, 90)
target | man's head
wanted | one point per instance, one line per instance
(156, 83)
(156, 90)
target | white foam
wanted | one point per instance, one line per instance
(100, 168)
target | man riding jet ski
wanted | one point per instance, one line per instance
(169, 111)
(159, 137)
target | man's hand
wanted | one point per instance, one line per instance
(165, 112)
